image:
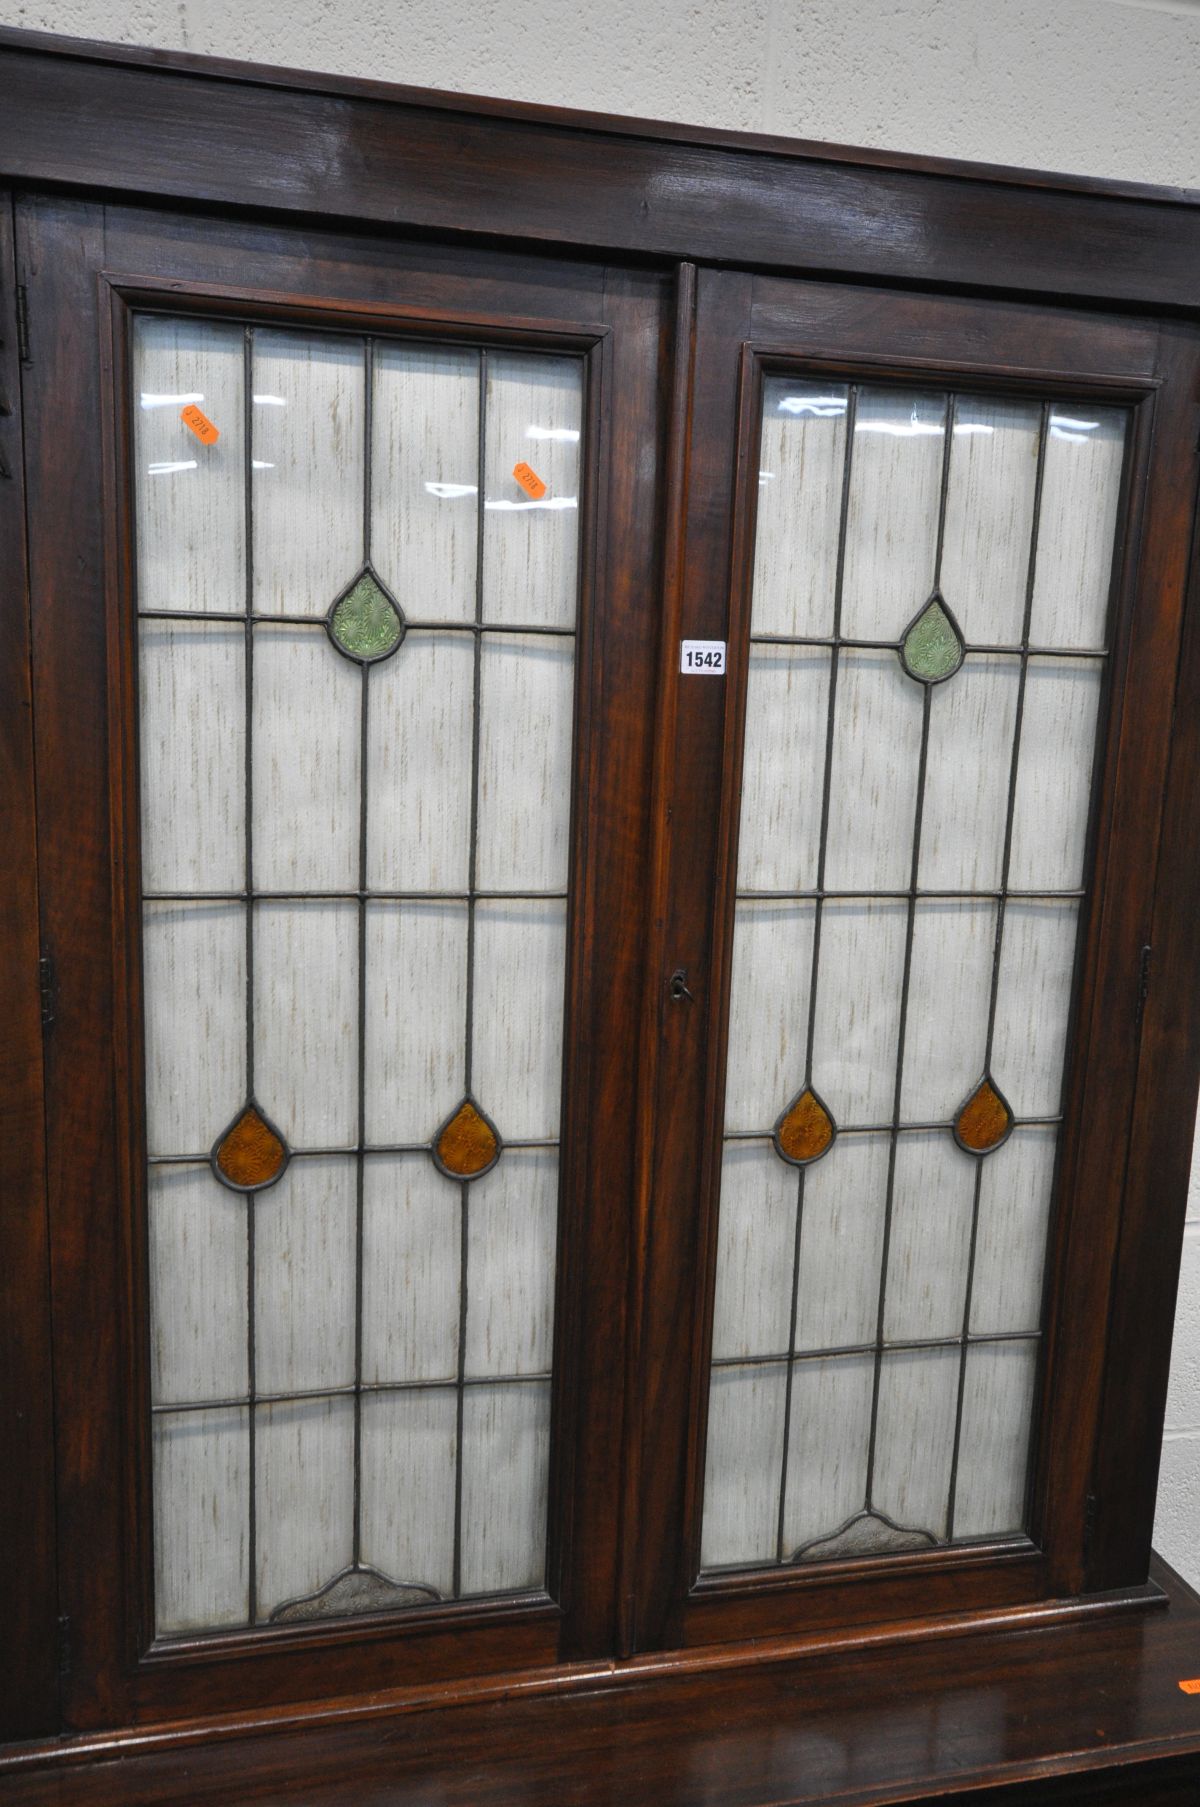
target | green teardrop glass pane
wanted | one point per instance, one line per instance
(933, 647)
(365, 622)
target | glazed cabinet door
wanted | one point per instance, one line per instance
(344, 611)
(945, 544)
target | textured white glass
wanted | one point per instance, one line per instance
(786, 712)
(304, 1497)
(1014, 1218)
(411, 1269)
(939, 987)
(993, 1452)
(419, 765)
(858, 1009)
(768, 1012)
(1054, 771)
(201, 1520)
(308, 463)
(989, 516)
(194, 974)
(408, 1463)
(414, 1067)
(891, 522)
(757, 1232)
(531, 545)
(305, 783)
(1033, 1004)
(827, 1447)
(841, 1244)
(425, 478)
(190, 501)
(429, 780)
(520, 963)
(914, 1447)
(873, 778)
(512, 1216)
(306, 1020)
(505, 1463)
(1081, 484)
(972, 720)
(745, 1457)
(192, 735)
(197, 1287)
(949, 990)
(526, 686)
(933, 1195)
(304, 1238)
(802, 456)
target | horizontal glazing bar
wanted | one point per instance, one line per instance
(896, 646)
(901, 1346)
(239, 1402)
(440, 627)
(349, 1150)
(877, 1129)
(351, 896)
(900, 896)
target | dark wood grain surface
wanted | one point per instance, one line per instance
(1090, 1711)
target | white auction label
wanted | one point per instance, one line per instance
(704, 657)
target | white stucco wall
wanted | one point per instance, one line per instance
(1099, 87)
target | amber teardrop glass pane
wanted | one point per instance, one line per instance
(251, 1153)
(467, 1144)
(933, 647)
(805, 1130)
(984, 1120)
(365, 623)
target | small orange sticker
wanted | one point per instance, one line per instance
(1192, 1687)
(200, 424)
(530, 482)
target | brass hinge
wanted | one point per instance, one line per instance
(23, 324)
(1089, 1523)
(46, 989)
(64, 1648)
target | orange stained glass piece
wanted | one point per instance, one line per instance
(467, 1143)
(250, 1152)
(805, 1130)
(984, 1119)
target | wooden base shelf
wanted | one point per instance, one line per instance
(1084, 1710)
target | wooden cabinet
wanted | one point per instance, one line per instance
(599, 756)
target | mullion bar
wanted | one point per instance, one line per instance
(360, 1158)
(998, 946)
(469, 1050)
(818, 911)
(248, 829)
(902, 1030)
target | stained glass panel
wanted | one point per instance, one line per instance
(357, 645)
(927, 660)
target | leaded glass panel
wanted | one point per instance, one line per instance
(356, 678)
(929, 616)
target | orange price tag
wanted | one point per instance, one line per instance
(530, 482)
(1192, 1687)
(200, 424)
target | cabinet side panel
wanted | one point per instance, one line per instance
(28, 1691)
